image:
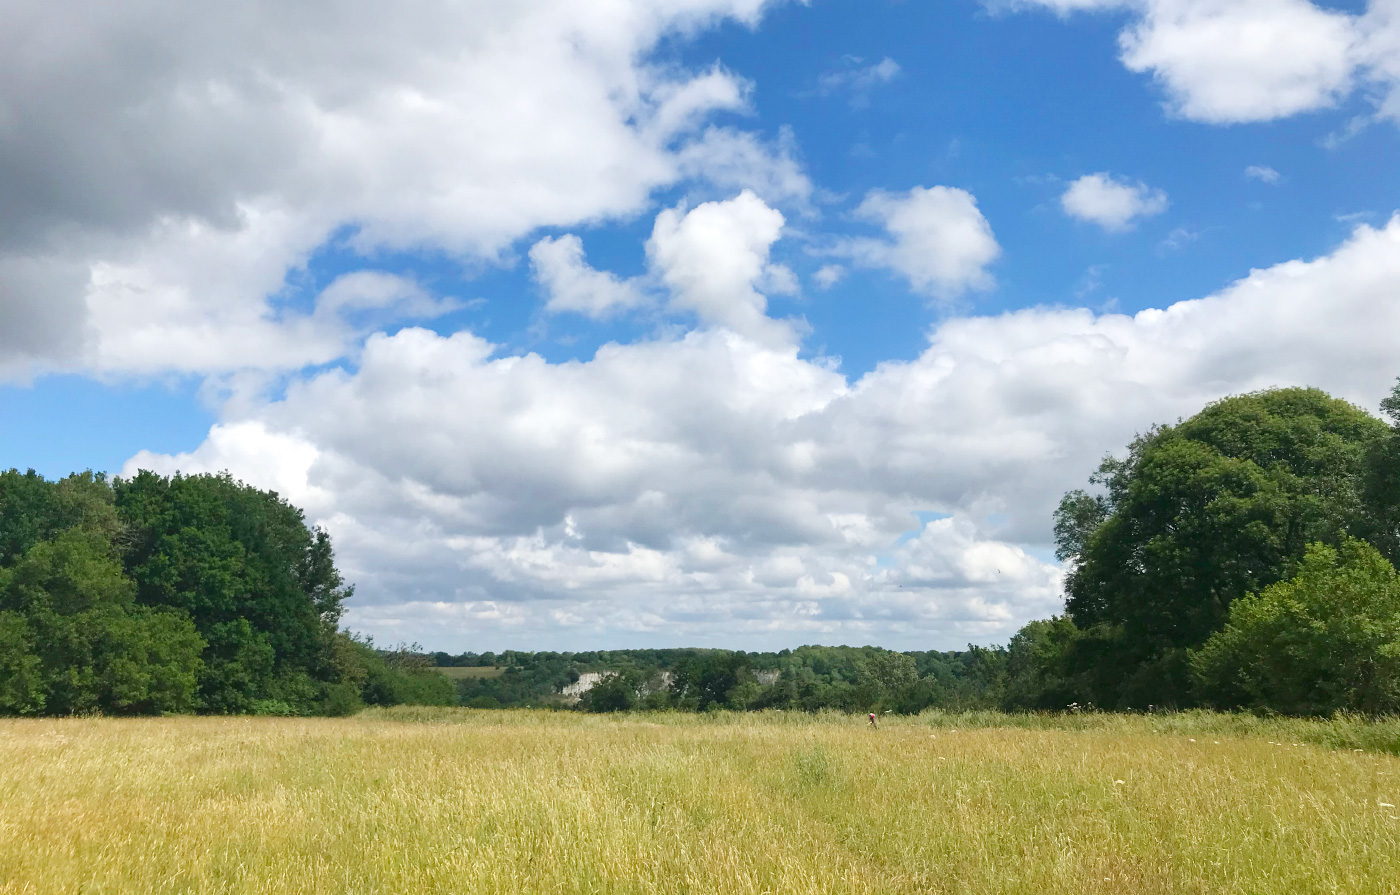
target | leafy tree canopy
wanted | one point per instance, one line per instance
(169, 594)
(1325, 640)
(1201, 513)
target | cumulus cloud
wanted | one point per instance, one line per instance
(166, 165)
(937, 239)
(1243, 60)
(571, 285)
(1228, 61)
(829, 275)
(714, 258)
(1110, 202)
(719, 488)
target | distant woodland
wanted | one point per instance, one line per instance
(1240, 559)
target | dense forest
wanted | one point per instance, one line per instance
(184, 594)
(1242, 558)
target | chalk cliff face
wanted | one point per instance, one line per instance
(586, 681)
(589, 679)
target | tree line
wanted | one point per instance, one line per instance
(180, 594)
(809, 678)
(1242, 558)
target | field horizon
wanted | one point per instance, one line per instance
(460, 800)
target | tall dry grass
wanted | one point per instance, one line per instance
(536, 802)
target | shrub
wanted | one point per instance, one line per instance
(1325, 640)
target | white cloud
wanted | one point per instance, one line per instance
(1110, 202)
(717, 489)
(572, 285)
(1228, 61)
(856, 79)
(166, 165)
(714, 258)
(734, 160)
(938, 239)
(856, 76)
(829, 275)
(1262, 173)
(1379, 52)
(1243, 60)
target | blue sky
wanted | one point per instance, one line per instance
(721, 322)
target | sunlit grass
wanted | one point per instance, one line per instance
(538, 802)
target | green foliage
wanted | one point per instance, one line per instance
(1038, 663)
(1199, 514)
(809, 678)
(368, 676)
(617, 692)
(885, 677)
(165, 595)
(1325, 640)
(704, 681)
(76, 640)
(1383, 483)
(260, 586)
(22, 690)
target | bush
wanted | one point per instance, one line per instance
(1325, 640)
(616, 692)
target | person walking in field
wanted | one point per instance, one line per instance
(873, 722)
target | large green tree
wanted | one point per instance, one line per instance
(1383, 483)
(259, 585)
(72, 638)
(169, 594)
(1197, 515)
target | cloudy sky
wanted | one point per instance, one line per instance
(665, 322)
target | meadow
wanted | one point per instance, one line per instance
(462, 801)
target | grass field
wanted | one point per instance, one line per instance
(460, 801)
(472, 671)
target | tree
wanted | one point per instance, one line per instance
(1039, 659)
(1201, 513)
(618, 691)
(1383, 483)
(21, 672)
(75, 641)
(1326, 639)
(703, 681)
(260, 586)
(885, 678)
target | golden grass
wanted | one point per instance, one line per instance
(461, 801)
